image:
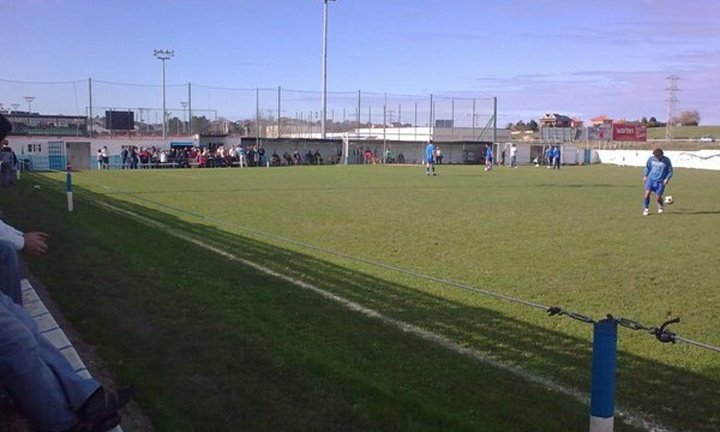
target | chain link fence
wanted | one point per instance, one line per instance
(275, 112)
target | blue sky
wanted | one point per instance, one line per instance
(581, 58)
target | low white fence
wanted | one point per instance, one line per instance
(700, 159)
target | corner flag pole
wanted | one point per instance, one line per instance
(602, 388)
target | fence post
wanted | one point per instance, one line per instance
(189, 101)
(452, 120)
(494, 135)
(69, 189)
(602, 389)
(90, 107)
(279, 111)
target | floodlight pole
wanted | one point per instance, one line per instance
(163, 55)
(324, 71)
(29, 100)
(184, 105)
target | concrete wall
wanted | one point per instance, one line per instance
(454, 152)
(413, 152)
(700, 159)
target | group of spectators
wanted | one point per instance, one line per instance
(132, 157)
(370, 157)
(36, 375)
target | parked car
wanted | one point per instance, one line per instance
(707, 139)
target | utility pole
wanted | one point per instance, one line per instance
(672, 101)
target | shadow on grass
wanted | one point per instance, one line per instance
(690, 213)
(433, 186)
(587, 186)
(674, 397)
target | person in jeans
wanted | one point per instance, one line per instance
(36, 375)
(32, 244)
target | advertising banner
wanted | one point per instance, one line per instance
(629, 132)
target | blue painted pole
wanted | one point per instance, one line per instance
(68, 183)
(602, 389)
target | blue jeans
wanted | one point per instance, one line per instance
(36, 374)
(10, 272)
(7, 176)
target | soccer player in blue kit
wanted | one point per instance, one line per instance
(430, 158)
(658, 172)
(488, 157)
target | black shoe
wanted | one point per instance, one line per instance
(102, 426)
(99, 413)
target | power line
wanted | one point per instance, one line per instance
(672, 101)
(41, 82)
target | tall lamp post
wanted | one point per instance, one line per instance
(29, 100)
(324, 67)
(163, 55)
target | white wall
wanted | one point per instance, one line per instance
(701, 159)
(114, 145)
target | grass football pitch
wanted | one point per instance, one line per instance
(312, 298)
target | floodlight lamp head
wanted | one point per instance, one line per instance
(163, 54)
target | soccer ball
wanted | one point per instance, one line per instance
(669, 200)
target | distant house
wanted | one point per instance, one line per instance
(601, 120)
(555, 120)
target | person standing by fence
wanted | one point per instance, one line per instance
(549, 156)
(556, 157)
(8, 163)
(105, 158)
(488, 157)
(430, 156)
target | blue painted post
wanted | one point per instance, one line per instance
(69, 189)
(602, 389)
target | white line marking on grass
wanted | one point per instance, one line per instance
(166, 172)
(634, 419)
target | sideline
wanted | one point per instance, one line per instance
(628, 417)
